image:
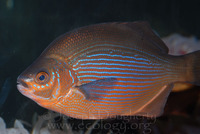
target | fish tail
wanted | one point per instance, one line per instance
(192, 63)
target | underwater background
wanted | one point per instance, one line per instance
(27, 27)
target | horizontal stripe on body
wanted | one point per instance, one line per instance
(105, 46)
(138, 78)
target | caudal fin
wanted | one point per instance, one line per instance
(193, 61)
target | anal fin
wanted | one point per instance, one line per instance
(155, 106)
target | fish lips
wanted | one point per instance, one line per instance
(21, 88)
(24, 88)
(25, 91)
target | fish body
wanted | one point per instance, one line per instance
(104, 70)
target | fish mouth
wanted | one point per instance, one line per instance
(22, 83)
(24, 89)
(22, 86)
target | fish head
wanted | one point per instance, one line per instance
(46, 81)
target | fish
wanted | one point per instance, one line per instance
(5, 90)
(107, 70)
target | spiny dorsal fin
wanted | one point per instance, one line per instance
(141, 32)
(146, 28)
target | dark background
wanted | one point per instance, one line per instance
(28, 26)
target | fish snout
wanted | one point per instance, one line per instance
(22, 82)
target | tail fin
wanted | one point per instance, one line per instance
(193, 61)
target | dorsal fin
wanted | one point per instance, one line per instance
(140, 32)
(142, 26)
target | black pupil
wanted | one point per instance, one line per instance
(42, 77)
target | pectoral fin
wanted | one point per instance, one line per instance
(90, 90)
(156, 105)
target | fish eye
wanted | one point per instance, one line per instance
(42, 77)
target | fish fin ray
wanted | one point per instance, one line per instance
(77, 90)
(88, 89)
(145, 28)
(142, 28)
(155, 107)
(192, 68)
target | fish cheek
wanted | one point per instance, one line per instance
(42, 95)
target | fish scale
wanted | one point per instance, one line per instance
(112, 98)
(105, 70)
